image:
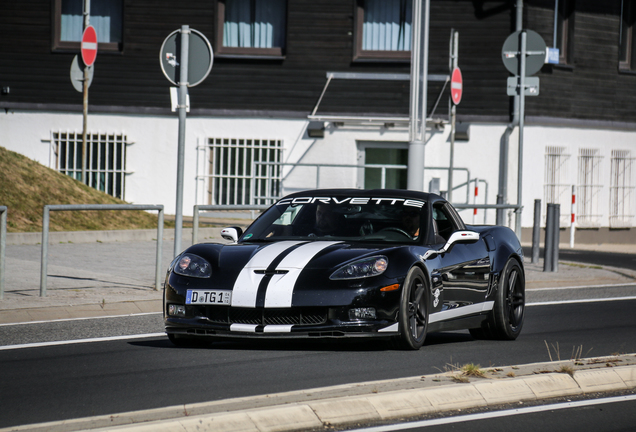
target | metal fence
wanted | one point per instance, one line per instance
(3, 245)
(215, 207)
(272, 170)
(83, 207)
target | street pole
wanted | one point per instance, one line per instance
(454, 62)
(522, 107)
(87, 19)
(419, 87)
(181, 107)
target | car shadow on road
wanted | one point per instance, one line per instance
(335, 345)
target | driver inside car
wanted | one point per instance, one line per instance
(328, 221)
(411, 221)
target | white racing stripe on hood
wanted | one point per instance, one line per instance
(281, 288)
(246, 284)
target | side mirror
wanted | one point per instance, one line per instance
(456, 237)
(460, 237)
(231, 233)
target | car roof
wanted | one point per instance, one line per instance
(400, 193)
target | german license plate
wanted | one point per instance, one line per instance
(208, 297)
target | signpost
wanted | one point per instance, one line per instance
(89, 53)
(457, 88)
(523, 54)
(186, 60)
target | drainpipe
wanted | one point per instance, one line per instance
(502, 195)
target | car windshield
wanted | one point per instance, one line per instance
(384, 219)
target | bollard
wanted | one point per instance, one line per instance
(556, 236)
(573, 217)
(536, 231)
(548, 246)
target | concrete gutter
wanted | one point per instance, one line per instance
(362, 403)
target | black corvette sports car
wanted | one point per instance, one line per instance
(350, 263)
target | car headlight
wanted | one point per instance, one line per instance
(363, 268)
(193, 266)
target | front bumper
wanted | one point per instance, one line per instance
(311, 322)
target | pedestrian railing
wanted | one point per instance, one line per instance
(216, 207)
(3, 245)
(83, 207)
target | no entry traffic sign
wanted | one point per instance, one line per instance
(89, 46)
(457, 86)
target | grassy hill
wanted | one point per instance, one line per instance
(26, 186)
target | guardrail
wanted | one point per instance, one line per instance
(216, 207)
(83, 207)
(3, 245)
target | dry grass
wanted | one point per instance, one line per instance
(26, 186)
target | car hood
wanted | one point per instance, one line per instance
(271, 274)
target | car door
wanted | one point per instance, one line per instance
(465, 268)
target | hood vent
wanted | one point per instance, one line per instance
(271, 272)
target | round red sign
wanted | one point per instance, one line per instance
(89, 46)
(456, 86)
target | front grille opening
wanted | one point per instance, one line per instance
(263, 316)
(260, 316)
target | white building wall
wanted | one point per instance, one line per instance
(152, 157)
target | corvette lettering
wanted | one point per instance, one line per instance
(351, 200)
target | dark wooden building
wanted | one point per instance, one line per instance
(279, 72)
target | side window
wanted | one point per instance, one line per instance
(251, 28)
(383, 30)
(442, 223)
(105, 15)
(446, 220)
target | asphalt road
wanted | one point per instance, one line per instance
(82, 379)
(608, 414)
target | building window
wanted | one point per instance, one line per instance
(383, 29)
(105, 157)
(589, 188)
(627, 49)
(557, 189)
(244, 171)
(251, 28)
(385, 175)
(565, 31)
(621, 189)
(105, 16)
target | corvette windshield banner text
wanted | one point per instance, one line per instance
(351, 200)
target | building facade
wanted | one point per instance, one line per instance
(305, 94)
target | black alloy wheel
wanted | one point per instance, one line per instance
(413, 316)
(506, 319)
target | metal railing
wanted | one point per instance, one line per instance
(216, 207)
(3, 245)
(82, 207)
(382, 167)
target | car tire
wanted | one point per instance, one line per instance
(413, 315)
(506, 319)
